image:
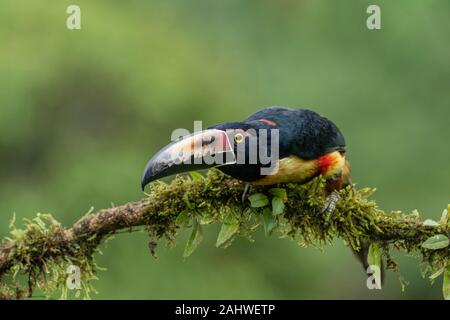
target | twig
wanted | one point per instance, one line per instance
(44, 246)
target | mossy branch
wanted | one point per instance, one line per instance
(41, 251)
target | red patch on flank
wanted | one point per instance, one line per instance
(325, 162)
(269, 122)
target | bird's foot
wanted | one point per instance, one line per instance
(330, 204)
(244, 194)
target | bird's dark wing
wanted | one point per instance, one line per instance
(302, 132)
(315, 136)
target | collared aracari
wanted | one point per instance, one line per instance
(308, 145)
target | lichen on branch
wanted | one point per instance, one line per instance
(37, 255)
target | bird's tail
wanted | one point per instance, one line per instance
(362, 256)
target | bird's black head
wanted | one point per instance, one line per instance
(239, 149)
(254, 144)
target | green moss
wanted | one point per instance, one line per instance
(42, 253)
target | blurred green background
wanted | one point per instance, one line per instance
(82, 111)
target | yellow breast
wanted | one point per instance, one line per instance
(298, 170)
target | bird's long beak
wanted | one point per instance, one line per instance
(200, 150)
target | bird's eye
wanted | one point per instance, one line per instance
(238, 138)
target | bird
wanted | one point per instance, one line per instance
(309, 145)
(273, 145)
